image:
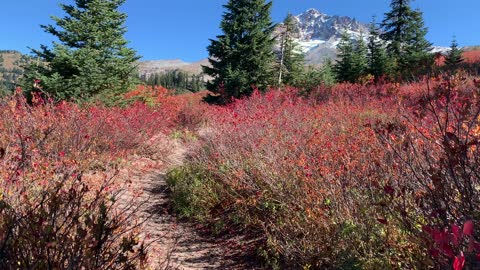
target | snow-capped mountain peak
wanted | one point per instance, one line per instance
(314, 25)
(318, 34)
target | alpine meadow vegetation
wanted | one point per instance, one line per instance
(351, 177)
(60, 186)
(370, 161)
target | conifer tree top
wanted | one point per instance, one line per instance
(91, 56)
(241, 57)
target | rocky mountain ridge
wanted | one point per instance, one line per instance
(318, 34)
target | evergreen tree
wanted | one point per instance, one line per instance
(344, 66)
(242, 57)
(327, 76)
(454, 57)
(314, 76)
(290, 59)
(396, 27)
(352, 63)
(404, 34)
(91, 57)
(377, 56)
(360, 60)
(417, 58)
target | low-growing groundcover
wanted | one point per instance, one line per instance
(362, 177)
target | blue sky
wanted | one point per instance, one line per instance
(171, 29)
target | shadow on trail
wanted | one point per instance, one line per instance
(194, 247)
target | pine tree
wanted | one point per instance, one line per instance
(290, 59)
(91, 58)
(327, 76)
(360, 60)
(352, 63)
(396, 26)
(314, 76)
(418, 58)
(377, 56)
(242, 57)
(344, 66)
(404, 33)
(454, 56)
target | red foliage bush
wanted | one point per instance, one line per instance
(437, 192)
(59, 204)
(182, 111)
(303, 175)
(472, 56)
(363, 176)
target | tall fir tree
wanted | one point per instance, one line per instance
(345, 64)
(404, 33)
(352, 63)
(454, 56)
(91, 57)
(327, 76)
(242, 57)
(290, 58)
(418, 58)
(360, 60)
(396, 26)
(377, 56)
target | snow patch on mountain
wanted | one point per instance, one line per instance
(306, 45)
(438, 49)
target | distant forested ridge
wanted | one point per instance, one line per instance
(176, 79)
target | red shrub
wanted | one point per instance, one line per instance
(438, 188)
(58, 194)
(304, 176)
(472, 56)
(350, 175)
(182, 111)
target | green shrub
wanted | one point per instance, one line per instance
(194, 193)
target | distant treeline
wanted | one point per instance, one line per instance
(10, 51)
(9, 77)
(176, 79)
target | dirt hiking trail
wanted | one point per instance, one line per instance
(174, 244)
